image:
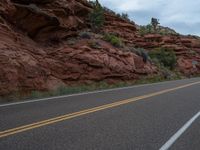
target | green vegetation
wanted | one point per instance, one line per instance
(158, 78)
(150, 28)
(154, 27)
(96, 17)
(146, 30)
(163, 57)
(114, 40)
(125, 16)
(66, 90)
(150, 79)
(122, 16)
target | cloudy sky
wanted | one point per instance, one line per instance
(181, 15)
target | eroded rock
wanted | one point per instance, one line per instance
(40, 48)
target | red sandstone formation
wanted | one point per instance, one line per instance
(40, 47)
(37, 51)
(187, 49)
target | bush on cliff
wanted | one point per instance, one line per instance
(165, 57)
(125, 16)
(146, 30)
(154, 29)
(96, 17)
(114, 40)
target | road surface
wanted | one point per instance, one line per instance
(147, 117)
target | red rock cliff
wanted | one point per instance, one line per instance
(40, 48)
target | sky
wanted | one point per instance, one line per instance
(181, 15)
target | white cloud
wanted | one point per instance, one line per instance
(182, 15)
(134, 5)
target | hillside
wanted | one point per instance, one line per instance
(47, 44)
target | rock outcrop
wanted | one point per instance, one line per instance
(187, 49)
(40, 48)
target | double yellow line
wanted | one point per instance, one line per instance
(86, 111)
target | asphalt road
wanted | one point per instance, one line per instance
(148, 117)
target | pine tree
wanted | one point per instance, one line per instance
(154, 23)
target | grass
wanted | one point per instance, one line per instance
(158, 78)
(66, 90)
(62, 90)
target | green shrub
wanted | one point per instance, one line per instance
(114, 40)
(35, 94)
(165, 57)
(146, 29)
(97, 16)
(125, 16)
(142, 30)
(118, 15)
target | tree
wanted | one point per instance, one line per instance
(125, 16)
(154, 23)
(97, 16)
(149, 28)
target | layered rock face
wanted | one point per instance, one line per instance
(187, 49)
(40, 48)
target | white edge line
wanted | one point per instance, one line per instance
(173, 139)
(84, 93)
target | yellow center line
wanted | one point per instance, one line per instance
(86, 111)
